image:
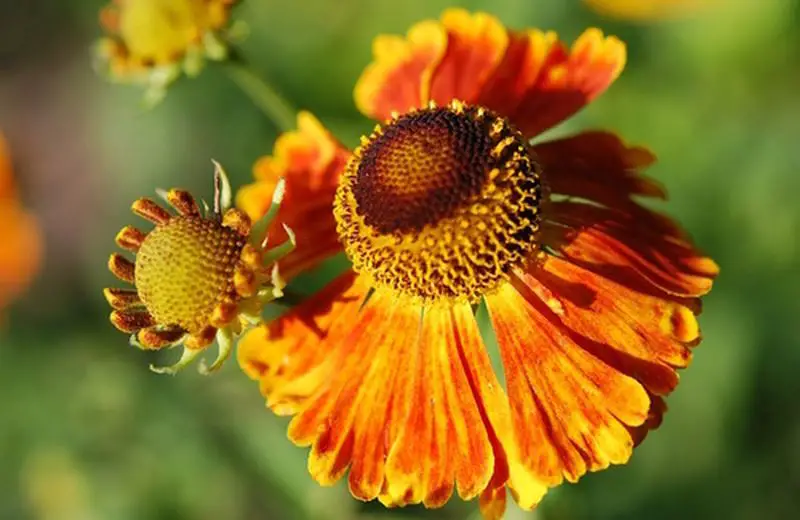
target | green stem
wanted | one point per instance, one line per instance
(265, 97)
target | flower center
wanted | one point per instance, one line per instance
(184, 268)
(440, 203)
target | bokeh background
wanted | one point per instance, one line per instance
(87, 432)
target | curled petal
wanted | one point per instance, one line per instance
(183, 202)
(157, 338)
(121, 299)
(132, 321)
(121, 267)
(149, 210)
(130, 238)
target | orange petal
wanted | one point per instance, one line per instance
(20, 252)
(347, 417)
(658, 407)
(512, 469)
(310, 160)
(525, 57)
(290, 356)
(569, 80)
(444, 435)
(598, 166)
(371, 428)
(641, 335)
(570, 410)
(21, 248)
(476, 44)
(493, 503)
(398, 79)
(7, 187)
(476, 462)
(415, 455)
(638, 250)
(529, 77)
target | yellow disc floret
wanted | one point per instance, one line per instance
(440, 203)
(185, 268)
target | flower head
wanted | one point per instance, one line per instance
(446, 207)
(151, 42)
(198, 275)
(21, 240)
(645, 9)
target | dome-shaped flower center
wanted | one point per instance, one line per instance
(440, 203)
(185, 267)
(161, 29)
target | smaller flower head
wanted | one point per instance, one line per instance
(197, 276)
(151, 42)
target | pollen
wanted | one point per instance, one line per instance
(441, 203)
(185, 268)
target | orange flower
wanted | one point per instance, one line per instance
(592, 297)
(19, 233)
(645, 9)
(152, 42)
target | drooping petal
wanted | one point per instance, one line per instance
(598, 166)
(310, 161)
(289, 357)
(398, 79)
(449, 436)
(418, 462)
(346, 420)
(638, 249)
(570, 410)
(643, 336)
(510, 467)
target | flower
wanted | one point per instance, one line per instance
(198, 275)
(645, 9)
(446, 207)
(21, 251)
(151, 42)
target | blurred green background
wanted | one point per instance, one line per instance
(87, 432)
